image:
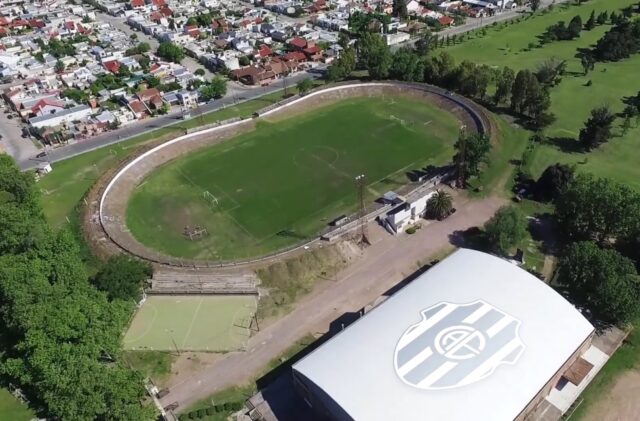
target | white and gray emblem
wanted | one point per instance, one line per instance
(457, 344)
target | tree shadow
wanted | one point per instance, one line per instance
(565, 144)
(471, 238)
(544, 228)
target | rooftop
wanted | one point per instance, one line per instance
(474, 329)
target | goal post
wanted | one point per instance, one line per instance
(213, 201)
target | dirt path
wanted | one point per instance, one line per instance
(389, 260)
(621, 403)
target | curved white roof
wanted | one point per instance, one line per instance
(473, 338)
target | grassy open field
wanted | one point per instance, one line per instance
(191, 323)
(284, 182)
(571, 100)
(64, 188)
(12, 409)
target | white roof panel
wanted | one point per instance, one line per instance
(475, 337)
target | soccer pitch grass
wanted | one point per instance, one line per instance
(283, 182)
(191, 323)
(571, 100)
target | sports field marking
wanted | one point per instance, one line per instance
(193, 319)
(149, 324)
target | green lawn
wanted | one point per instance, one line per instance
(189, 323)
(571, 100)
(70, 180)
(283, 182)
(12, 409)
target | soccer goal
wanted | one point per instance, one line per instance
(211, 199)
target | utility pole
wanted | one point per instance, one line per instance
(361, 182)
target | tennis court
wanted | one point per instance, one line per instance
(192, 323)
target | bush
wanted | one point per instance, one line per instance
(200, 413)
(210, 410)
(411, 230)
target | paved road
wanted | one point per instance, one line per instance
(135, 129)
(389, 260)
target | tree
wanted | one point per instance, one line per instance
(217, 88)
(304, 86)
(591, 22)
(78, 95)
(440, 205)
(619, 42)
(406, 65)
(400, 9)
(602, 18)
(588, 63)
(59, 66)
(535, 5)
(374, 53)
(57, 328)
(597, 209)
(471, 152)
(506, 229)
(122, 277)
(575, 26)
(504, 83)
(171, 52)
(597, 129)
(143, 47)
(519, 90)
(343, 66)
(550, 72)
(199, 72)
(601, 279)
(554, 179)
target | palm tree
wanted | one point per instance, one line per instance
(439, 206)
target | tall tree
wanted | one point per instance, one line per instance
(170, 51)
(591, 22)
(535, 5)
(406, 65)
(122, 277)
(506, 229)
(471, 152)
(588, 63)
(598, 209)
(504, 83)
(374, 53)
(597, 129)
(602, 279)
(304, 86)
(439, 205)
(575, 26)
(400, 9)
(554, 179)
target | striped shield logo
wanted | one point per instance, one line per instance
(457, 344)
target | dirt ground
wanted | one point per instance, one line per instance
(621, 403)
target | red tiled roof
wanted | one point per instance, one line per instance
(159, 3)
(37, 23)
(44, 102)
(148, 94)
(298, 42)
(137, 3)
(113, 66)
(70, 25)
(3, 21)
(137, 106)
(265, 51)
(166, 11)
(446, 20)
(313, 50)
(295, 55)
(155, 16)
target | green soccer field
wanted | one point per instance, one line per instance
(573, 99)
(191, 323)
(284, 182)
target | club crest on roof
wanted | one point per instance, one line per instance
(455, 345)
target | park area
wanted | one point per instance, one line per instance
(281, 184)
(192, 323)
(516, 46)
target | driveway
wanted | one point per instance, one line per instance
(385, 263)
(12, 141)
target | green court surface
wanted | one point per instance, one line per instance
(192, 323)
(283, 182)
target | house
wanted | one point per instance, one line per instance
(446, 21)
(151, 97)
(47, 106)
(113, 66)
(62, 117)
(137, 4)
(188, 99)
(407, 212)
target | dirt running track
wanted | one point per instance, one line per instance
(389, 260)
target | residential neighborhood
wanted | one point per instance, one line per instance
(74, 70)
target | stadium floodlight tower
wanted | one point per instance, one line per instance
(361, 182)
